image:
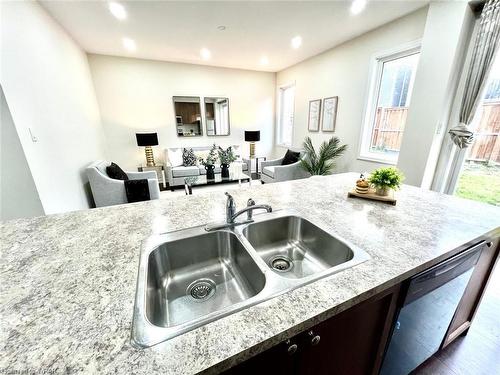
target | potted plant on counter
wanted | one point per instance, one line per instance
(226, 157)
(385, 179)
(209, 163)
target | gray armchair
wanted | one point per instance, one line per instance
(108, 192)
(273, 171)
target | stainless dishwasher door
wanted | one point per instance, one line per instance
(427, 311)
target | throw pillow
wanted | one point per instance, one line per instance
(290, 157)
(175, 157)
(116, 173)
(188, 157)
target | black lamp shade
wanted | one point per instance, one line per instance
(147, 139)
(252, 136)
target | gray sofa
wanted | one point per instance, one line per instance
(176, 174)
(273, 171)
(108, 192)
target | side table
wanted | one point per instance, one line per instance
(257, 173)
(160, 172)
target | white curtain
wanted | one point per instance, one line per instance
(486, 47)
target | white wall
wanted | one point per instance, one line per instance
(48, 87)
(136, 95)
(18, 195)
(344, 72)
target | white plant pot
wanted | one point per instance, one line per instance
(383, 192)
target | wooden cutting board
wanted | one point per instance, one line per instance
(372, 196)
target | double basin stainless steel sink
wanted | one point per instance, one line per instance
(192, 277)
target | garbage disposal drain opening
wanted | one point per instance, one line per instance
(281, 263)
(201, 290)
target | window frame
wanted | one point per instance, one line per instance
(281, 89)
(373, 91)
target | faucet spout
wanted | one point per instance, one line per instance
(231, 213)
(249, 210)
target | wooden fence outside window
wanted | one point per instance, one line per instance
(389, 126)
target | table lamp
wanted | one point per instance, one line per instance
(252, 137)
(147, 140)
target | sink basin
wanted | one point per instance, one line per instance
(192, 277)
(295, 248)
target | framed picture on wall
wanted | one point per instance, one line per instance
(314, 115)
(329, 114)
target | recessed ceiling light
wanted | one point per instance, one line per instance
(129, 44)
(205, 54)
(296, 41)
(264, 60)
(117, 10)
(357, 6)
(221, 27)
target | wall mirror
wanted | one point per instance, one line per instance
(187, 116)
(217, 116)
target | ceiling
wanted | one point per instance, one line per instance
(178, 30)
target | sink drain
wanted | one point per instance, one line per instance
(201, 290)
(281, 263)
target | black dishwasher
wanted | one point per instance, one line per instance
(426, 312)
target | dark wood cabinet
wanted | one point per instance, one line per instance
(279, 360)
(473, 293)
(188, 111)
(351, 342)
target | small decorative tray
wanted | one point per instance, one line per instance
(371, 195)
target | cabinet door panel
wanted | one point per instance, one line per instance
(352, 342)
(274, 361)
(473, 293)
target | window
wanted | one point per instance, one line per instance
(393, 75)
(479, 178)
(286, 113)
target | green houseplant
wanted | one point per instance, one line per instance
(226, 157)
(209, 162)
(385, 179)
(321, 163)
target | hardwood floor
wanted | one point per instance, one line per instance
(477, 353)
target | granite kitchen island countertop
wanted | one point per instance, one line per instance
(68, 280)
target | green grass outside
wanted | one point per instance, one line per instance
(480, 182)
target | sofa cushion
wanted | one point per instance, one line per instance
(116, 173)
(175, 157)
(185, 171)
(188, 157)
(269, 171)
(290, 157)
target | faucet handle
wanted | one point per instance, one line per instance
(250, 203)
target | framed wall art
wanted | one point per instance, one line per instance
(314, 115)
(329, 114)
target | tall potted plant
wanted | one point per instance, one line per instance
(321, 163)
(385, 179)
(226, 157)
(209, 163)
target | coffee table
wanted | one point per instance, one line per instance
(200, 180)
